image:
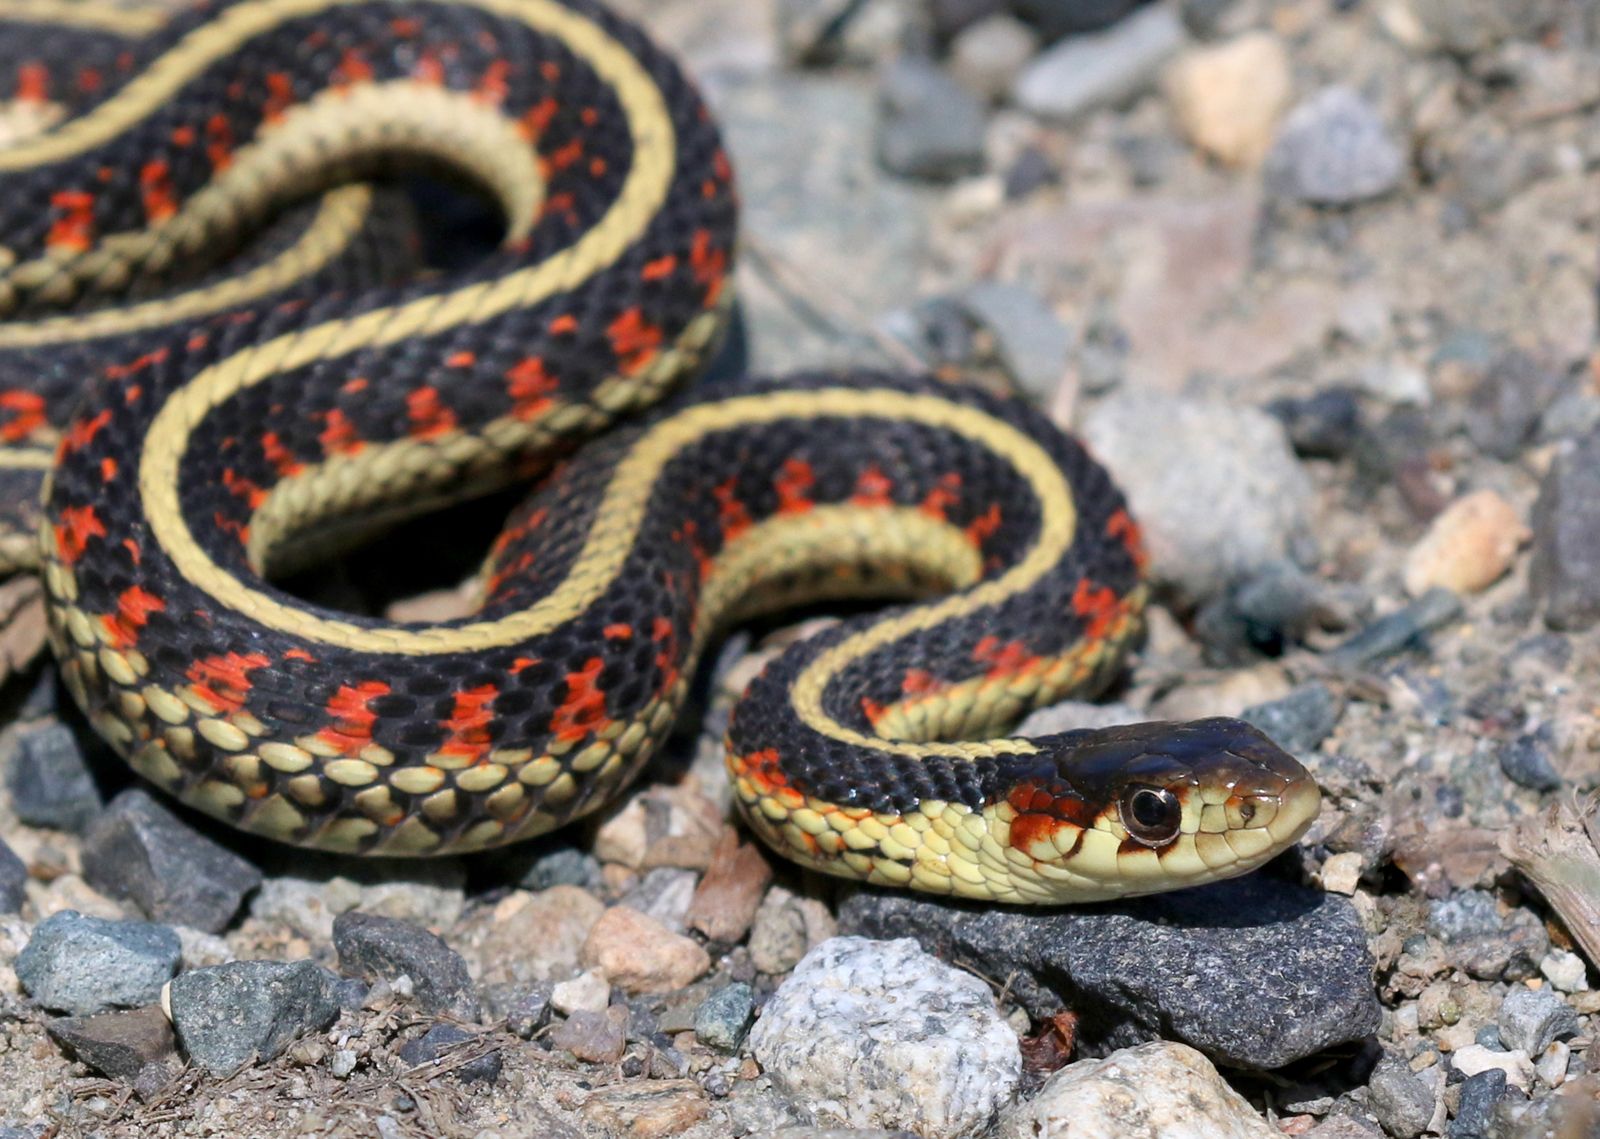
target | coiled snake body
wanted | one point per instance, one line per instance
(192, 435)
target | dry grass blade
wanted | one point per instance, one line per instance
(1559, 851)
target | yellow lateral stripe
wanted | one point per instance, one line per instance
(26, 459)
(338, 219)
(151, 90)
(134, 23)
(618, 517)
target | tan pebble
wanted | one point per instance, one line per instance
(1229, 97)
(1468, 546)
(1341, 873)
(642, 955)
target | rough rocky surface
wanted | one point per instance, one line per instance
(1178, 966)
(879, 1034)
(1155, 1091)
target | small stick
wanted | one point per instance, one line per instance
(1559, 851)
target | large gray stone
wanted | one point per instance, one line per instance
(1564, 576)
(1179, 966)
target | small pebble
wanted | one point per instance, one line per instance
(117, 1044)
(640, 954)
(1102, 69)
(1479, 1094)
(1505, 406)
(1056, 19)
(230, 1015)
(1323, 425)
(1334, 149)
(1403, 629)
(531, 1011)
(85, 965)
(342, 1063)
(985, 56)
(1564, 575)
(588, 991)
(656, 1110)
(1475, 1058)
(1468, 547)
(1565, 971)
(13, 880)
(1301, 720)
(724, 1017)
(1402, 1100)
(1030, 339)
(931, 127)
(594, 1037)
(1526, 762)
(138, 850)
(527, 938)
(1229, 96)
(1530, 1019)
(49, 779)
(431, 1047)
(1552, 1063)
(373, 946)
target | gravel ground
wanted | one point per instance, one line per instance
(1317, 280)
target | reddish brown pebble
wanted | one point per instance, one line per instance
(727, 898)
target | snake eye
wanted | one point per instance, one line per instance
(1151, 814)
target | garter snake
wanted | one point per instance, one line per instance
(191, 424)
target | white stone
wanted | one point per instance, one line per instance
(1565, 971)
(1161, 1090)
(588, 991)
(878, 1034)
(1475, 1058)
(1230, 96)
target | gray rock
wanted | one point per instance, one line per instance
(664, 893)
(13, 880)
(250, 1011)
(1402, 1100)
(1530, 1019)
(1505, 406)
(1467, 27)
(1202, 17)
(878, 1034)
(1526, 762)
(432, 1047)
(1334, 149)
(593, 1037)
(1030, 339)
(1056, 19)
(1564, 574)
(819, 207)
(49, 779)
(374, 946)
(84, 965)
(1102, 69)
(1301, 720)
(563, 866)
(117, 1044)
(723, 1018)
(1115, 965)
(986, 56)
(1479, 1094)
(1481, 942)
(1216, 487)
(1323, 425)
(138, 850)
(931, 127)
(530, 1012)
(1406, 628)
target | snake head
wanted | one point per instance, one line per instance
(1141, 808)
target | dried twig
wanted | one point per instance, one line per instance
(1559, 851)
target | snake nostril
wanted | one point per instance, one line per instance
(1247, 812)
